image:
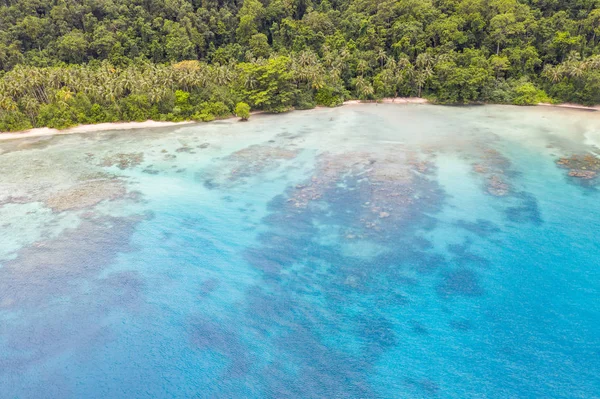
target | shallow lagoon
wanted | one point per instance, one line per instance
(387, 251)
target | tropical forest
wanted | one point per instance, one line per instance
(68, 62)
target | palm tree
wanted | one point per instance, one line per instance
(222, 75)
(555, 74)
(420, 80)
(31, 107)
(362, 66)
(7, 103)
(577, 69)
(363, 88)
(424, 60)
(593, 62)
(424, 71)
(382, 57)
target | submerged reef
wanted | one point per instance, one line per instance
(368, 255)
(330, 168)
(372, 202)
(237, 167)
(79, 187)
(86, 194)
(68, 277)
(379, 191)
(492, 166)
(581, 166)
(123, 160)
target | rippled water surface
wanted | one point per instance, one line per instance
(368, 251)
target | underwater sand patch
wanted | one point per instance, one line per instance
(87, 194)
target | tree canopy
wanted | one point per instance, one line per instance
(78, 61)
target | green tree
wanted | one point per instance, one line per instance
(250, 16)
(268, 84)
(259, 45)
(527, 94)
(178, 45)
(242, 110)
(72, 47)
(182, 59)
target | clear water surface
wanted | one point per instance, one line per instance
(368, 251)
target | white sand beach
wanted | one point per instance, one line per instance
(45, 131)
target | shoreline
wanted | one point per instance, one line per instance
(390, 100)
(571, 106)
(99, 127)
(108, 126)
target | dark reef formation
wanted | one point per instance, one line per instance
(493, 166)
(123, 160)
(581, 166)
(86, 194)
(237, 167)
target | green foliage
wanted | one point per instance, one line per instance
(135, 107)
(575, 80)
(210, 111)
(304, 99)
(72, 47)
(327, 97)
(500, 92)
(462, 77)
(98, 114)
(178, 45)
(182, 107)
(57, 115)
(363, 88)
(13, 121)
(242, 110)
(259, 45)
(268, 85)
(63, 63)
(527, 94)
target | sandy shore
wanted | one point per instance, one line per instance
(45, 131)
(573, 106)
(391, 100)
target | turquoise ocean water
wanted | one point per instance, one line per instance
(368, 251)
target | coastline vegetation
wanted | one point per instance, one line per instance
(74, 62)
(242, 110)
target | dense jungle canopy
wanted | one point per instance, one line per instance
(65, 62)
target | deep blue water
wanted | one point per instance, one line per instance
(361, 252)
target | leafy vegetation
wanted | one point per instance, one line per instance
(242, 110)
(86, 61)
